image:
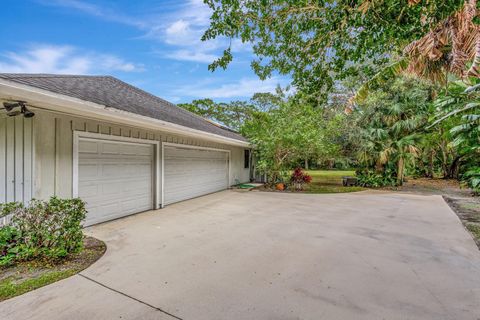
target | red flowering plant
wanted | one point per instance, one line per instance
(299, 178)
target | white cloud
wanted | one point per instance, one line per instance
(177, 30)
(96, 10)
(245, 87)
(179, 25)
(196, 12)
(45, 58)
(193, 56)
(239, 46)
(110, 62)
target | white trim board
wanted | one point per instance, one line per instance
(179, 145)
(77, 135)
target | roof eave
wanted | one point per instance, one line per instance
(58, 102)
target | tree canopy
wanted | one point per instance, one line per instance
(292, 132)
(231, 115)
(318, 42)
(234, 114)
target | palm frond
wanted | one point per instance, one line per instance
(467, 107)
(448, 47)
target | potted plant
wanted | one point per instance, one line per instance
(280, 186)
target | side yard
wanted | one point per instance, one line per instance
(322, 181)
(330, 181)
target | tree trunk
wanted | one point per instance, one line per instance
(331, 164)
(453, 170)
(306, 164)
(400, 168)
(431, 160)
(378, 167)
(443, 148)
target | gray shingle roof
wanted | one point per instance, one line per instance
(114, 93)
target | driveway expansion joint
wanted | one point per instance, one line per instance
(130, 297)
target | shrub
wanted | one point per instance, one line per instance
(372, 179)
(299, 178)
(44, 229)
(8, 244)
(472, 177)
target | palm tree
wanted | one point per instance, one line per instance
(391, 119)
(448, 47)
(461, 103)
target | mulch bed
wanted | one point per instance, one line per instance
(36, 269)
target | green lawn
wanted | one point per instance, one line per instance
(11, 287)
(26, 276)
(330, 181)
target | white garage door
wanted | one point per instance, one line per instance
(190, 173)
(114, 178)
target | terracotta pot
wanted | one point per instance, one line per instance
(280, 186)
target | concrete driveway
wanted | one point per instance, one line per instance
(255, 255)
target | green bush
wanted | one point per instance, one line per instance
(472, 177)
(9, 237)
(43, 229)
(372, 179)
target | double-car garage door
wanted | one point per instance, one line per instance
(115, 178)
(118, 178)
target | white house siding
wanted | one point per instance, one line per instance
(16, 156)
(54, 149)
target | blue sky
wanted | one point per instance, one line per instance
(151, 44)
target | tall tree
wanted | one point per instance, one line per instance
(391, 119)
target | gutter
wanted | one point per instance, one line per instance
(58, 102)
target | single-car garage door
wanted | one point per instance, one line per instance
(115, 178)
(190, 172)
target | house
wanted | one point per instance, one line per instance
(117, 147)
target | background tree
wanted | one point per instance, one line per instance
(391, 121)
(291, 132)
(231, 115)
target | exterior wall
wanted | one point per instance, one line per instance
(16, 158)
(54, 149)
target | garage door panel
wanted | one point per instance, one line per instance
(125, 170)
(126, 149)
(87, 171)
(114, 181)
(190, 172)
(88, 147)
(87, 190)
(142, 201)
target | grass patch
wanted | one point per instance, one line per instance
(330, 181)
(10, 287)
(471, 206)
(27, 276)
(474, 229)
(336, 175)
(315, 188)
